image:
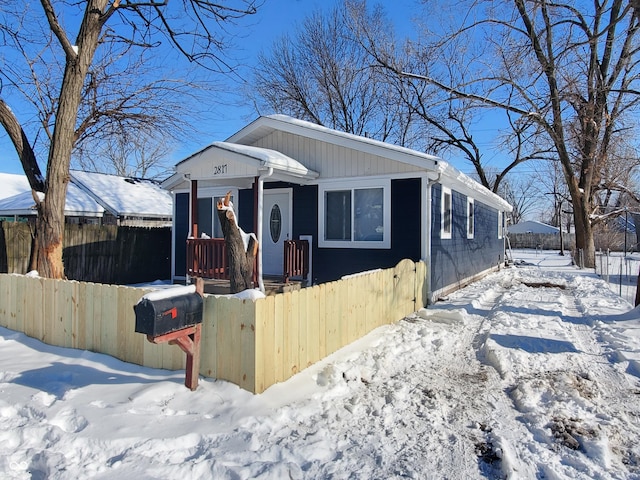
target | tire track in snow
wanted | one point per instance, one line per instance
(573, 404)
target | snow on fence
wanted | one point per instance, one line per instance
(253, 344)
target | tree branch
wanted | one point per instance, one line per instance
(19, 138)
(57, 29)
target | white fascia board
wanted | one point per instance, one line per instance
(461, 183)
(429, 163)
(175, 182)
(366, 145)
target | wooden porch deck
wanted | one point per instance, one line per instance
(207, 259)
(272, 286)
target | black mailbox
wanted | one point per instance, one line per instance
(159, 313)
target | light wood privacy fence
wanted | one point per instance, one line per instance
(253, 344)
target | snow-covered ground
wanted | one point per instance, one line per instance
(530, 373)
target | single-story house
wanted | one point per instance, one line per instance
(531, 226)
(358, 203)
(96, 198)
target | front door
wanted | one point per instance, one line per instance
(276, 228)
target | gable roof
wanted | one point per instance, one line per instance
(91, 194)
(125, 196)
(252, 150)
(266, 125)
(248, 162)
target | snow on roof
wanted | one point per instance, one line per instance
(531, 226)
(294, 125)
(461, 182)
(270, 158)
(77, 203)
(91, 194)
(468, 186)
(125, 196)
(12, 184)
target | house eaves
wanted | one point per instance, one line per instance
(263, 126)
(254, 160)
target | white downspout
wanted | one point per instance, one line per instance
(260, 215)
(428, 258)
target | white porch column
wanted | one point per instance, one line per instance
(260, 212)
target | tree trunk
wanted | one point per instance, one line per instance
(50, 222)
(239, 259)
(584, 233)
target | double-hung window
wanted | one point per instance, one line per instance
(355, 214)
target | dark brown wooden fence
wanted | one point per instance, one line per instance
(94, 253)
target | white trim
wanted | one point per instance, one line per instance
(471, 218)
(460, 182)
(289, 192)
(303, 128)
(500, 224)
(444, 234)
(352, 185)
(309, 238)
(425, 218)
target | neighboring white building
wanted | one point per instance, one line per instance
(531, 226)
(95, 198)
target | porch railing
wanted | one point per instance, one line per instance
(207, 258)
(296, 259)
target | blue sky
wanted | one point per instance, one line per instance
(274, 19)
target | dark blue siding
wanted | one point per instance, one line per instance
(458, 258)
(305, 211)
(332, 263)
(246, 202)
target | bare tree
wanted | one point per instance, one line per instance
(322, 74)
(569, 70)
(195, 30)
(141, 156)
(522, 193)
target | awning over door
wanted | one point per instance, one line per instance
(223, 163)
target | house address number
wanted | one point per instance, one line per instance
(220, 169)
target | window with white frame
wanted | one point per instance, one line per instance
(355, 214)
(470, 218)
(446, 215)
(500, 224)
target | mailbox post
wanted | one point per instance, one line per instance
(175, 316)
